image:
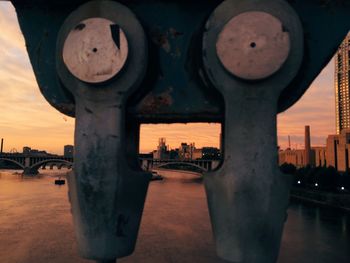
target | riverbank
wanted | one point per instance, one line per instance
(335, 200)
(339, 201)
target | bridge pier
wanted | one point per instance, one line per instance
(30, 171)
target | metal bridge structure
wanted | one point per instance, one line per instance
(201, 165)
(114, 65)
(31, 163)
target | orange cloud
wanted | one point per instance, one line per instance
(316, 108)
(27, 119)
(203, 134)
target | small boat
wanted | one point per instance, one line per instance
(60, 181)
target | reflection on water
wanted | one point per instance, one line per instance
(36, 225)
(315, 234)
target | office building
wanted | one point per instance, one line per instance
(26, 150)
(162, 150)
(341, 85)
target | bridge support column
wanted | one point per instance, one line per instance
(107, 190)
(30, 171)
(248, 195)
(27, 161)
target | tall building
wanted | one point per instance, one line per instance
(342, 88)
(162, 150)
(68, 151)
(26, 150)
(186, 151)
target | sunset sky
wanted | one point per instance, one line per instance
(28, 120)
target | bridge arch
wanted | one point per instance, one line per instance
(37, 165)
(182, 163)
(12, 161)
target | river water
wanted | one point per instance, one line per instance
(36, 225)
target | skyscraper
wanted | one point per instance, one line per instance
(342, 88)
(162, 151)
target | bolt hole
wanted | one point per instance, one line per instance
(94, 50)
(253, 45)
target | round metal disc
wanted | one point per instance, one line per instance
(95, 50)
(253, 45)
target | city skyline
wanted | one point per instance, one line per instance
(28, 119)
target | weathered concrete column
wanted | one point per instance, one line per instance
(252, 50)
(102, 55)
(27, 161)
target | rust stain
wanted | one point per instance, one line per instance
(162, 38)
(174, 33)
(154, 103)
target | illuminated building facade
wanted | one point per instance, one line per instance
(342, 88)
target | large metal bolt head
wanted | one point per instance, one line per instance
(253, 45)
(95, 50)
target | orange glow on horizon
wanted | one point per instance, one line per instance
(202, 134)
(28, 120)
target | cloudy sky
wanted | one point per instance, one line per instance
(28, 120)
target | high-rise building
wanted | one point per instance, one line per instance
(186, 151)
(162, 150)
(342, 88)
(26, 150)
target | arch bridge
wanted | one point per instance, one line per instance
(201, 165)
(31, 163)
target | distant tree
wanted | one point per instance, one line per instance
(327, 178)
(344, 180)
(288, 168)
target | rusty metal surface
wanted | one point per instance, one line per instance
(184, 81)
(176, 88)
(40, 25)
